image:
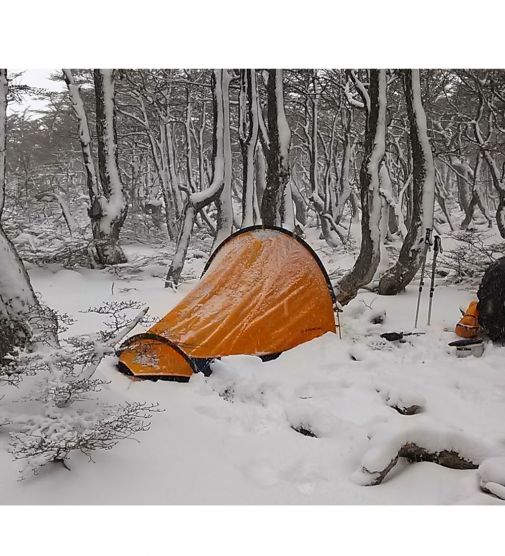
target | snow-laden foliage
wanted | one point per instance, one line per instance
(53, 436)
(472, 253)
(62, 411)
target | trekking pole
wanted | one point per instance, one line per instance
(437, 247)
(427, 243)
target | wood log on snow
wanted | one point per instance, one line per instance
(447, 448)
(413, 454)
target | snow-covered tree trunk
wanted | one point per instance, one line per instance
(476, 199)
(169, 157)
(112, 205)
(386, 193)
(441, 195)
(276, 148)
(248, 135)
(423, 192)
(344, 183)
(22, 319)
(152, 203)
(288, 209)
(260, 173)
(108, 206)
(3, 135)
(375, 143)
(197, 201)
(223, 200)
(189, 142)
(468, 179)
(299, 202)
(499, 183)
(328, 225)
(84, 135)
(393, 200)
(463, 180)
(164, 179)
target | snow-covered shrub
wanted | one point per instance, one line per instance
(51, 437)
(43, 239)
(64, 412)
(467, 262)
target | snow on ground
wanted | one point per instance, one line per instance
(231, 438)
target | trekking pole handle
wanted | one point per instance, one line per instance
(437, 247)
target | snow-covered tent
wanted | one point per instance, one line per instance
(262, 292)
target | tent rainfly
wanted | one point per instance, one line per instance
(263, 291)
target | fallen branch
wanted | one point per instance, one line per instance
(109, 346)
(447, 448)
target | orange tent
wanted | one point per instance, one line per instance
(262, 292)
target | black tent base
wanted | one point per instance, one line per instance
(468, 346)
(202, 365)
(121, 367)
(466, 342)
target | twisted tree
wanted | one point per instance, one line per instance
(375, 136)
(219, 189)
(423, 192)
(108, 206)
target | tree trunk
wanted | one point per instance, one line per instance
(223, 200)
(197, 201)
(375, 136)
(328, 225)
(423, 192)
(476, 200)
(386, 193)
(344, 183)
(276, 149)
(107, 226)
(248, 135)
(108, 205)
(164, 180)
(288, 209)
(3, 135)
(300, 204)
(22, 319)
(169, 157)
(260, 173)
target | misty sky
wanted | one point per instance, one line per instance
(34, 78)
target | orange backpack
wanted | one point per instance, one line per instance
(468, 325)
